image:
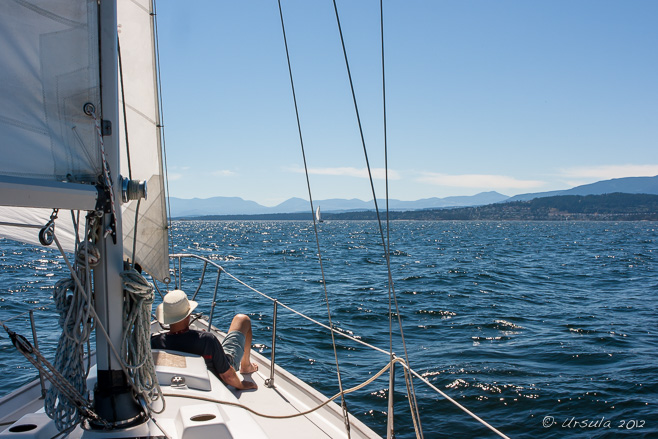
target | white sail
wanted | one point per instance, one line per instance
(318, 218)
(50, 70)
(143, 121)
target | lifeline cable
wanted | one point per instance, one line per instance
(294, 415)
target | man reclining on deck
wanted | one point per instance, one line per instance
(222, 359)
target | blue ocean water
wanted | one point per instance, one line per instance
(544, 330)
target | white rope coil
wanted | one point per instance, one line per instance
(136, 344)
(74, 318)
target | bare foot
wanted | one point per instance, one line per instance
(253, 367)
(246, 385)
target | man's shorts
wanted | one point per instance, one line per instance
(233, 346)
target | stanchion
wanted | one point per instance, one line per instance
(270, 381)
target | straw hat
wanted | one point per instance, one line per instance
(174, 308)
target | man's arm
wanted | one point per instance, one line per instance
(231, 378)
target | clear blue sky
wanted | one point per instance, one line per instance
(512, 96)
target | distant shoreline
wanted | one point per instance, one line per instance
(607, 207)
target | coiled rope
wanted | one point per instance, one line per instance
(136, 354)
(76, 314)
(69, 358)
(75, 319)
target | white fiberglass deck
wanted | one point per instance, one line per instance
(288, 396)
(191, 412)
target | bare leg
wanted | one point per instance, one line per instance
(242, 323)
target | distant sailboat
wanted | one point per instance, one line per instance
(318, 217)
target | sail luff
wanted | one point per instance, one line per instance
(141, 107)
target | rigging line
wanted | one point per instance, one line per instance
(123, 106)
(388, 226)
(161, 130)
(135, 233)
(76, 227)
(374, 196)
(106, 173)
(411, 391)
(50, 372)
(89, 282)
(315, 226)
(310, 319)
(27, 226)
(294, 311)
(294, 415)
(157, 424)
(388, 233)
(467, 411)
(14, 317)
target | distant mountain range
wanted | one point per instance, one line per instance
(628, 185)
(181, 207)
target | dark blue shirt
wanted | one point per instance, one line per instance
(198, 343)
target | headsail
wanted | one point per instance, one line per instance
(143, 127)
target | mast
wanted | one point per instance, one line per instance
(113, 400)
(61, 68)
